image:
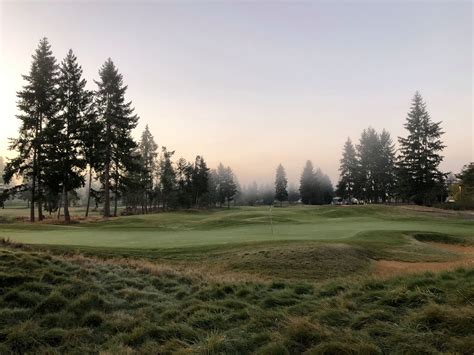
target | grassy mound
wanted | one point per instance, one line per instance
(53, 304)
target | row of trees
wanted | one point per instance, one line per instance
(372, 170)
(65, 128)
(69, 134)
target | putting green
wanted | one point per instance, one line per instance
(239, 225)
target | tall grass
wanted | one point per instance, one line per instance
(62, 304)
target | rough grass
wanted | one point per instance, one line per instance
(59, 304)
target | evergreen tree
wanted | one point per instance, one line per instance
(184, 175)
(368, 151)
(226, 186)
(307, 183)
(322, 188)
(167, 179)
(200, 177)
(37, 102)
(281, 184)
(293, 194)
(93, 147)
(64, 132)
(118, 121)
(212, 197)
(148, 149)
(252, 194)
(466, 183)
(349, 171)
(418, 175)
(386, 166)
(133, 185)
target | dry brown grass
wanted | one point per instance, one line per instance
(391, 268)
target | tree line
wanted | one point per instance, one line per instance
(69, 134)
(375, 172)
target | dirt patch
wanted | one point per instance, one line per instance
(390, 268)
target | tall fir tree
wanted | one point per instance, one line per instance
(281, 185)
(148, 150)
(226, 185)
(349, 172)
(93, 147)
(184, 176)
(167, 179)
(118, 122)
(307, 183)
(418, 175)
(386, 166)
(65, 148)
(200, 178)
(367, 154)
(37, 102)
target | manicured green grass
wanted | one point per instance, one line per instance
(71, 304)
(237, 225)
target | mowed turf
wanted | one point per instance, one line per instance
(235, 226)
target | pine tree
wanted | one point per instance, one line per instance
(167, 179)
(293, 194)
(307, 184)
(93, 148)
(349, 170)
(200, 178)
(148, 149)
(418, 175)
(38, 104)
(281, 185)
(367, 153)
(184, 175)
(386, 166)
(118, 121)
(64, 132)
(226, 186)
(322, 188)
(252, 194)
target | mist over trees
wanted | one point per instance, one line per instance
(72, 138)
(281, 184)
(315, 186)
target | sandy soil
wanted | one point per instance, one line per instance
(389, 268)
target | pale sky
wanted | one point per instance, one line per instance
(255, 84)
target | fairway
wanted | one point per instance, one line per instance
(235, 226)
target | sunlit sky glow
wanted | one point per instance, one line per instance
(253, 84)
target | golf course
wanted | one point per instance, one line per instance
(290, 280)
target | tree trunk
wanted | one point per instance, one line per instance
(115, 202)
(106, 190)
(116, 189)
(40, 202)
(59, 203)
(67, 217)
(32, 198)
(89, 194)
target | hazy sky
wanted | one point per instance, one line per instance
(253, 84)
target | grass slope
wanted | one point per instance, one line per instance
(74, 304)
